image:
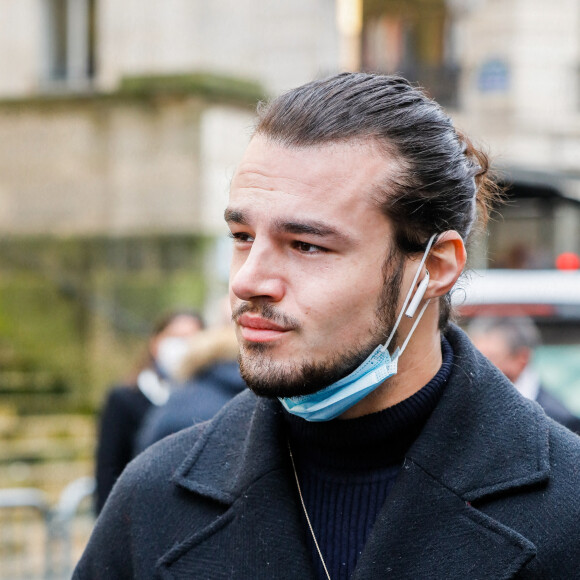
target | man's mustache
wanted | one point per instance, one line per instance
(268, 312)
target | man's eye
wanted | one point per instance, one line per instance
(307, 248)
(241, 237)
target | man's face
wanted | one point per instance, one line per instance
(307, 284)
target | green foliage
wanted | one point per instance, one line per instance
(75, 313)
(204, 84)
(45, 333)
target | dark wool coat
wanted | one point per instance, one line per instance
(121, 418)
(489, 490)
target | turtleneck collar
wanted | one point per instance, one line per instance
(371, 441)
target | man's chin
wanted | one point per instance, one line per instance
(267, 378)
(264, 387)
(262, 392)
(269, 374)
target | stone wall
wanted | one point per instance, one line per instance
(521, 82)
(279, 43)
(117, 165)
(20, 47)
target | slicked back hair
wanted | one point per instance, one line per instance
(438, 182)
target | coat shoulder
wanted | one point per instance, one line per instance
(162, 459)
(145, 511)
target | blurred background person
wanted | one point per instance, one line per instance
(509, 343)
(211, 376)
(127, 404)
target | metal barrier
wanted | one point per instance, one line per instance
(36, 540)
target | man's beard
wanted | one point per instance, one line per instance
(268, 378)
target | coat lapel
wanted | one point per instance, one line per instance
(482, 441)
(426, 531)
(483, 437)
(244, 472)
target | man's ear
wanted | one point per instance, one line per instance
(445, 263)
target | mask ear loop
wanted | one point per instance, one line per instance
(408, 298)
(421, 312)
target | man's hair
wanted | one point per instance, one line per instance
(518, 331)
(438, 181)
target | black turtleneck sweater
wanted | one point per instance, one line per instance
(347, 468)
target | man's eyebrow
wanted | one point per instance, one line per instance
(235, 216)
(312, 228)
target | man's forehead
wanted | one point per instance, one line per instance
(326, 154)
(355, 168)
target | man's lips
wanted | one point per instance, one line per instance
(258, 329)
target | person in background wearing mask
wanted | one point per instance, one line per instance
(211, 376)
(126, 405)
(374, 440)
(509, 343)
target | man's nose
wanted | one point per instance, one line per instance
(259, 275)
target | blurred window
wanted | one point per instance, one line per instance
(523, 238)
(411, 37)
(70, 33)
(535, 224)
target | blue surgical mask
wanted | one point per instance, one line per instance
(334, 400)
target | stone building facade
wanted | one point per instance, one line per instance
(117, 165)
(79, 156)
(520, 94)
(66, 44)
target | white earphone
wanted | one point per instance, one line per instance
(421, 289)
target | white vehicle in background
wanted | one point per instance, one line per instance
(552, 299)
